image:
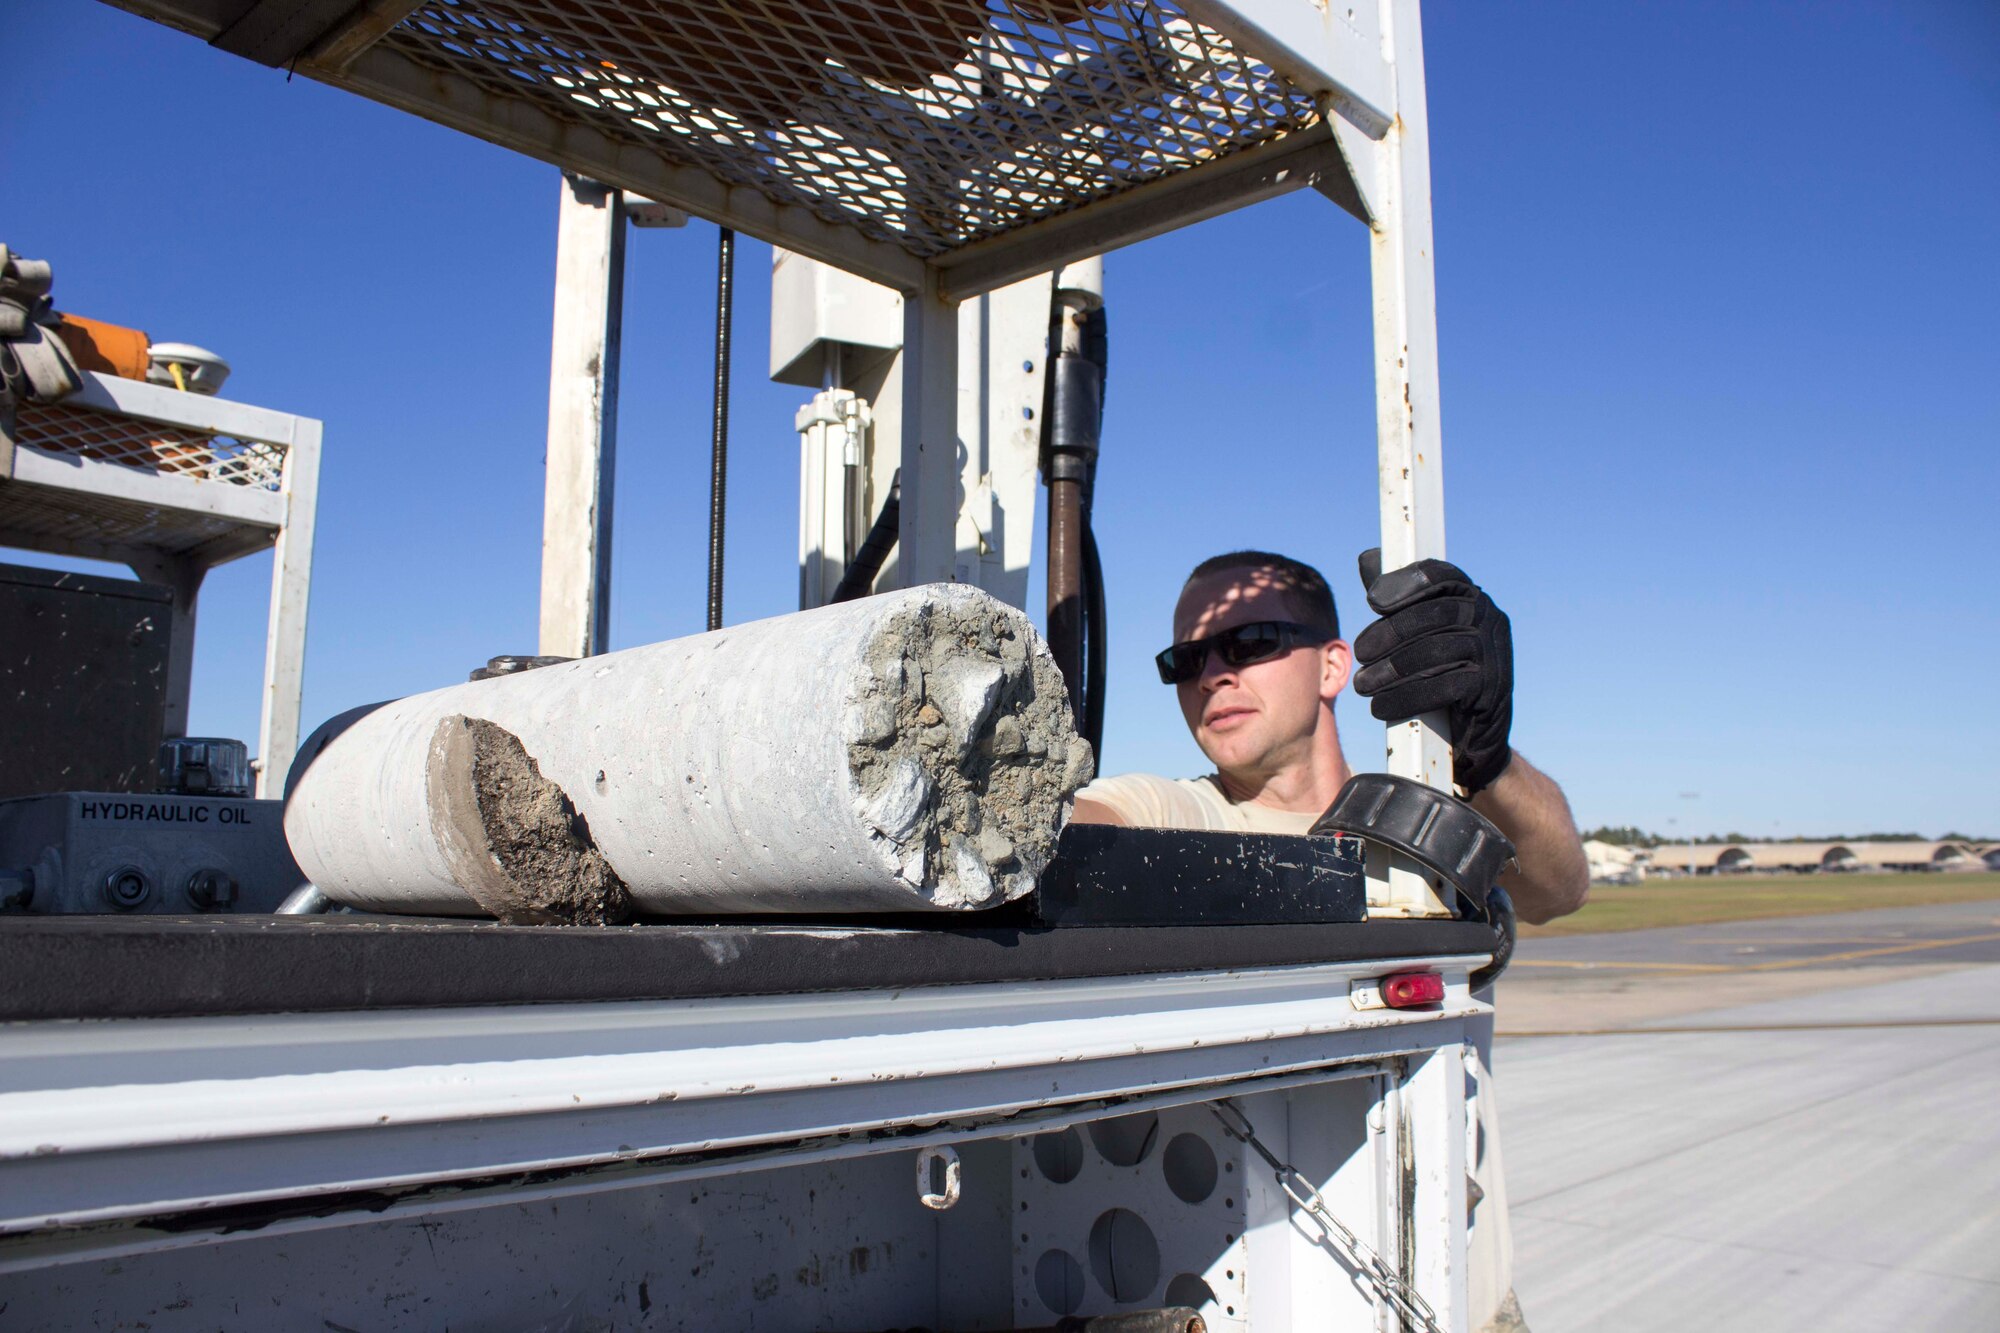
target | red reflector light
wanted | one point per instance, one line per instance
(1408, 990)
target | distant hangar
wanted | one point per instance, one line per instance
(1610, 862)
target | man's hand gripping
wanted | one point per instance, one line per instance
(1441, 644)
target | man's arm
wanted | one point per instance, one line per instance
(1140, 800)
(1554, 878)
(1093, 812)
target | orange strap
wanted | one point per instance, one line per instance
(108, 349)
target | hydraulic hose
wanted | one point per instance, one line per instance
(718, 482)
(1072, 414)
(1072, 422)
(1066, 628)
(874, 552)
(1096, 642)
(1096, 349)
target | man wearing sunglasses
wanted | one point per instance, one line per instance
(1257, 662)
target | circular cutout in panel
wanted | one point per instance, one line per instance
(1059, 1281)
(1124, 1256)
(1059, 1155)
(1189, 1290)
(1189, 1164)
(1126, 1140)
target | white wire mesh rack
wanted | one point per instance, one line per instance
(928, 124)
(74, 517)
(154, 446)
(82, 523)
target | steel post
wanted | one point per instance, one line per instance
(1434, 1166)
(718, 478)
(1392, 172)
(291, 591)
(927, 539)
(183, 575)
(583, 420)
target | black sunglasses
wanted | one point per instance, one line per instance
(1257, 641)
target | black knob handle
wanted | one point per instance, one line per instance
(211, 890)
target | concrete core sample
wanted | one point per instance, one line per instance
(904, 752)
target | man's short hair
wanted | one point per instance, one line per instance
(1303, 586)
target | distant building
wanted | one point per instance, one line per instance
(1808, 857)
(1611, 863)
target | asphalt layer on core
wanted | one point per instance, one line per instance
(1766, 1125)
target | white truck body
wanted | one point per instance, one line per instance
(743, 1162)
(360, 1124)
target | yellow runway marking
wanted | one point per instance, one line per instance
(1756, 942)
(1873, 953)
(1684, 1028)
(1777, 966)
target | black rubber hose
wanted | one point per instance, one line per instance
(874, 552)
(1096, 643)
(718, 481)
(1500, 915)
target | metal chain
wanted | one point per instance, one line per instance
(1388, 1283)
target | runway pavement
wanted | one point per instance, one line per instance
(1769, 1125)
(1656, 977)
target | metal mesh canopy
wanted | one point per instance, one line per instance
(929, 124)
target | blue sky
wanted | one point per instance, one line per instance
(1720, 318)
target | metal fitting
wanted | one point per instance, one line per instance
(128, 887)
(211, 890)
(939, 1177)
(205, 766)
(513, 664)
(305, 900)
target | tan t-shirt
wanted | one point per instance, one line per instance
(1146, 801)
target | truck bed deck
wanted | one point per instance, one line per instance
(163, 966)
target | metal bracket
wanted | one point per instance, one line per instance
(929, 1162)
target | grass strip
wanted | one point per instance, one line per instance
(1706, 898)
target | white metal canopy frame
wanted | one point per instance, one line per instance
(173, 484)
(945, 148)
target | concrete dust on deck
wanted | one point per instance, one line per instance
(1785, 1175)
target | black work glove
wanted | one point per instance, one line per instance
(1440, 644)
